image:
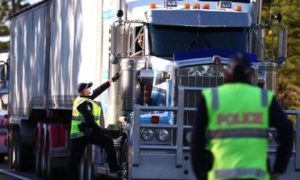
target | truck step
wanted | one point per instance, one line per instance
(103, 170)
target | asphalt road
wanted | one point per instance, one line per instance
(9, 174)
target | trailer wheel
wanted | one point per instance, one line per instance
(38, 156)
(2, 156)
(49, 163)
(43, 153)
(17, 152)
(10, 145)
(86, 165)
(46, 162)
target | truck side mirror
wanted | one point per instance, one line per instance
(282, 44)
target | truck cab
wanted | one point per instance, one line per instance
(186, 46)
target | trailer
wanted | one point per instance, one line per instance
(55, 44)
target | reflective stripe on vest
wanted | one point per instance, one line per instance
(238, 120)
(215, 98)
(232, 173)
(81, 118)
(238, 133)
(77, 117)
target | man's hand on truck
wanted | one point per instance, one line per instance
(116, 76)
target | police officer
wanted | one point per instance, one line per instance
(85, 127)
(230, 137)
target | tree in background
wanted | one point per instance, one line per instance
(288, 76)
(7, 8)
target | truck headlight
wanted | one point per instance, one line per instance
(147, 134)
(162, 134)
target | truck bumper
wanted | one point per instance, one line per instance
(161, 166)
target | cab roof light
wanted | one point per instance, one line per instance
(224, 5)
(238, 8)
(152, 5)
(186, 6)
(170, 3)
(206, 6)
(196, 6)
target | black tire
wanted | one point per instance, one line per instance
(38, 157)
(44, 156)
(123, 160)
(20, 155)
(10, 148)
(47, 170)
(17, 151)
(89, 173)
(2, 158)
(86, 168)
(50, 171)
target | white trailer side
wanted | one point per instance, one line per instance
(74, 50)
(55, 45)
(27, 63)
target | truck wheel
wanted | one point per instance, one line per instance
(44, 153)
(38, 156)
(49, 163)
(86, 168)
(123, 160)
(2, 156)
(46, 167)
(15, 159)
(82, 167)
(10, 149)
(18, 152)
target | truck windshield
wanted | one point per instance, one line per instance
(165, 40)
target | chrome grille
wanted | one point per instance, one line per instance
(203, 76)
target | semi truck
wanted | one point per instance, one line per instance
(186, 44)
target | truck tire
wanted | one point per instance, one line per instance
(2, 156)
(86, 165)
(10, 151)
(124, 160)
(49, 172)
(18, 153)
(38, 156)
(46, 159)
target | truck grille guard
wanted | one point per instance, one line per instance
(179, 127)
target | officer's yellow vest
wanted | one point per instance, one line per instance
(77, 117)
(238, 131)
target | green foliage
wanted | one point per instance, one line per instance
(4, 13)
(4, 46)
(6, 10)
(288, 76)
(4, 31)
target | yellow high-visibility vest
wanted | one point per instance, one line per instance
(77, 117)
(238, 123)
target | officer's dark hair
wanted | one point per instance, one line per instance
(239, 68)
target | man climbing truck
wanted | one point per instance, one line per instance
(56, 42)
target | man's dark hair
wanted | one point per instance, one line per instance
(239, 68)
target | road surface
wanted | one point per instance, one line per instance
(9, 174)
